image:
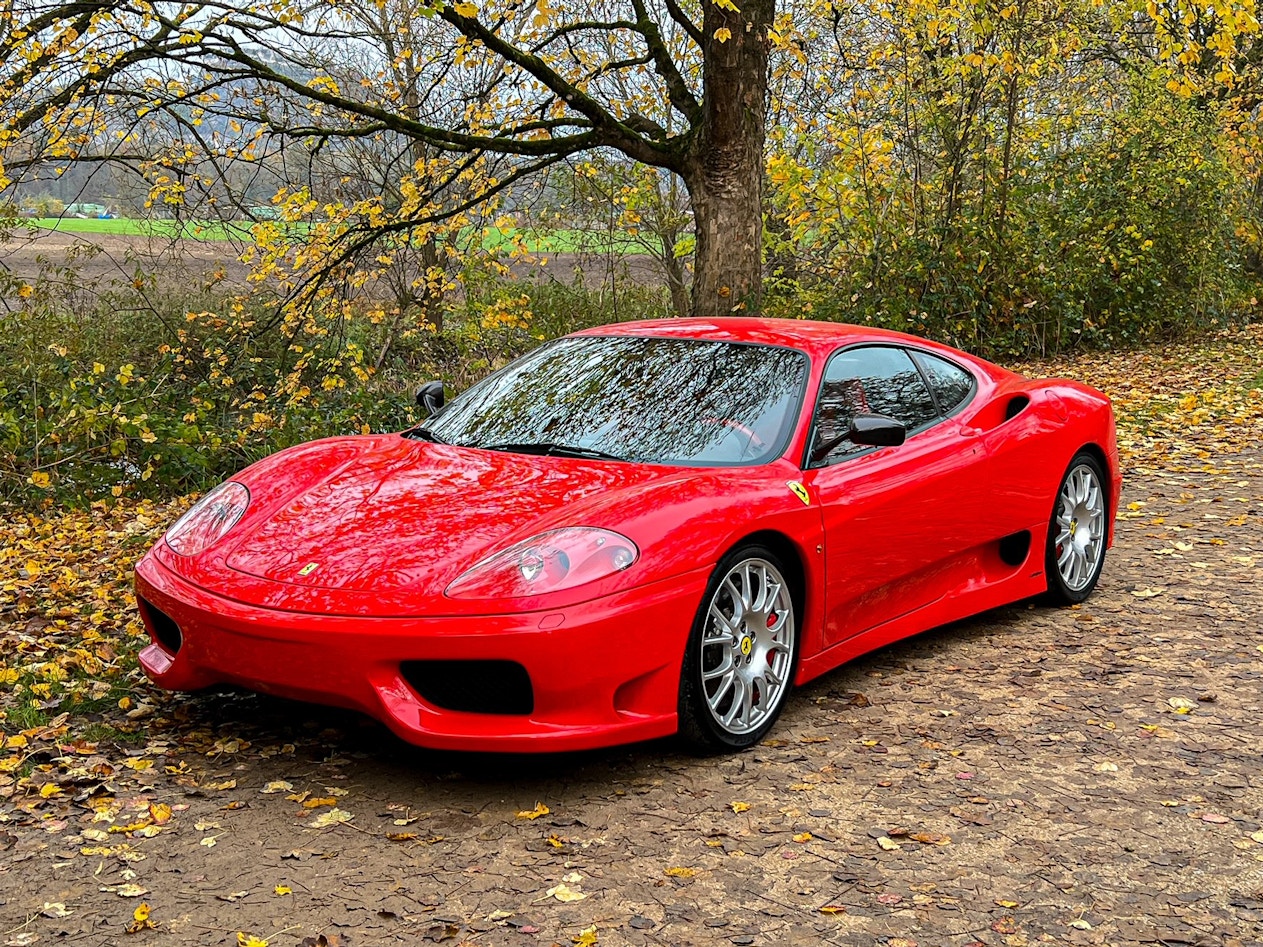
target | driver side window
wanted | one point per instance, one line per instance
(872, 379)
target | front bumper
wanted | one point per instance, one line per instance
(601, 673)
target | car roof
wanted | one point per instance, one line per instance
(811, 336)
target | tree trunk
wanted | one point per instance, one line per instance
(724, 168)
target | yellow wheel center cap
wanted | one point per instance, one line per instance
(747, 645)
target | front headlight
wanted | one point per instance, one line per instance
(550, 562)
(209, 519)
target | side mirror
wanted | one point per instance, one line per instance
(875, 430)
(870, 430)
(430, 396)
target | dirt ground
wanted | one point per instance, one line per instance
(1087, 775)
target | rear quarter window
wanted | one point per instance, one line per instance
(951, 384)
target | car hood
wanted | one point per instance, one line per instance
(401, 513)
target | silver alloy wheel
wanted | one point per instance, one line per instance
(1080, 522)
(747, 646)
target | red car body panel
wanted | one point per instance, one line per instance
(890, 543)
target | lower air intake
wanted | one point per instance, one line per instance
(163, 627)
(475, 687)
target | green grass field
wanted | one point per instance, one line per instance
(145, 228)
(536, 241)
(564, 241)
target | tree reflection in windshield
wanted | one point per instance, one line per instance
(674, 401)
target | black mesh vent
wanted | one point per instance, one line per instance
(476, 687)
(163, 626)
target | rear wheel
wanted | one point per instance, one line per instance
(742, 653)
(1078, 531)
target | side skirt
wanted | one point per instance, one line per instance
(1024, 583)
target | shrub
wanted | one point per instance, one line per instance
(113, 395)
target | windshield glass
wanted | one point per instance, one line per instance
(669, 401)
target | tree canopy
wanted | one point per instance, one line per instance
(489, 95)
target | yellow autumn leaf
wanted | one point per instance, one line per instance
(681, 872)
(249, 940)
(465, 9)
(888, 843)
(48, 790)
(539, 810)
(281, 890)
(1182, 705)
(317, 802)
(564, 893)
(931, 838)
(39, 479)
(739, 806)
(723, 34)
(833, 909)
(587, 937)
(802, 837)
(334, 816)
(140, 920)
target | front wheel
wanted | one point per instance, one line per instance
(1078, 531)
(741, 655)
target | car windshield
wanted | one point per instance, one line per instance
(655, 400)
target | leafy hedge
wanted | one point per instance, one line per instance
(112, 397)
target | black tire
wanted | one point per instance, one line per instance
(1071, 589)
(755, 659)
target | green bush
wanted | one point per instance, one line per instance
(156, 393)
(1119, 234)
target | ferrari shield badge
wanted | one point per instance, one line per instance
(799, 491)
(309, 568)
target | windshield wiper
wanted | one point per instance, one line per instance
(552, 449)
(421, 434)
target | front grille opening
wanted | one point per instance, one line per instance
(165, 631)
(475, 687)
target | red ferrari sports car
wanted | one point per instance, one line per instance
(637, 530)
